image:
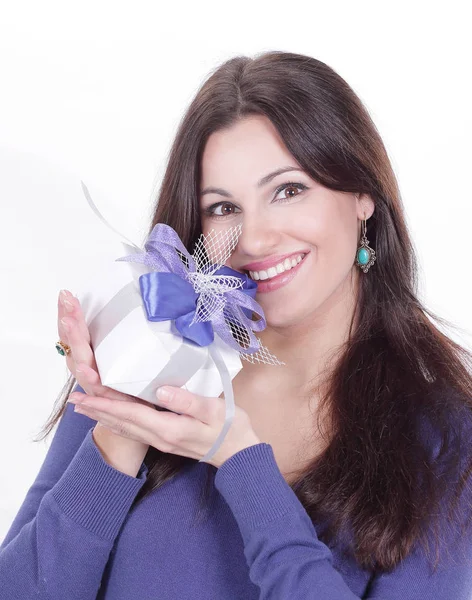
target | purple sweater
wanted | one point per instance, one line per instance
(75, 537)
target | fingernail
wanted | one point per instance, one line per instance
(163, 394)
(68, 305)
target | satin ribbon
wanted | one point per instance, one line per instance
(169, 293)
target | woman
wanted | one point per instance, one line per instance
(346, 474)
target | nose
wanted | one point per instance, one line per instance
(260, 237)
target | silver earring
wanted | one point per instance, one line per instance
(365, 256)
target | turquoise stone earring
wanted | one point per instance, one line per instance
(365, 256)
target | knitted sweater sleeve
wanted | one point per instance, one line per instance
(287, 560)
(60, 540)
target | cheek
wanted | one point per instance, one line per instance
(334, 245)
(332, 232)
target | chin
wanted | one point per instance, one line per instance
(284, 317)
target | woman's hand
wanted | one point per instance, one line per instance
(125, 455)
(191, 433)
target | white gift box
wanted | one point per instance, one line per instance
(136, 356)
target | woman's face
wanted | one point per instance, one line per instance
(280, 221)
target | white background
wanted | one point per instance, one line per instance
(95, 92)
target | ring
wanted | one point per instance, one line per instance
(62, 348)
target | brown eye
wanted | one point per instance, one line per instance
(290, 186)
(227, 210)
(224, 209)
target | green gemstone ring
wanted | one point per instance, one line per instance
(62, 348)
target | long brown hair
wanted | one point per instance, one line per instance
(398, 375)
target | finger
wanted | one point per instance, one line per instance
(74, 309)
(62, 331)
(80, 349)
(177, 399)
(160, 428)
(69, 306)
(61, 312)
(128, 430)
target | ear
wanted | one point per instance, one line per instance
(365, 206)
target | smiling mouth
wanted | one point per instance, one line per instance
(275, 271)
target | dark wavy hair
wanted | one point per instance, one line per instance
(398, 376)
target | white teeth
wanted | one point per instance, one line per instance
(286, 265)
(280, 268)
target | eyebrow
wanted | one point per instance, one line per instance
(268, 178)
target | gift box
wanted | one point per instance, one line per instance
(135, 355)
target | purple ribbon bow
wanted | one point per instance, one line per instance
(169, 295)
